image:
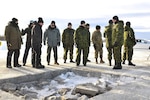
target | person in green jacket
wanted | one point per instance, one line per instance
(81, 38)
(117, 41)
(129, 42)
(88, 27)
(108, 36)
(98, 44)
(68, 42)
(14, 41)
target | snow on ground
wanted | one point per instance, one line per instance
(140, 53)
(71, 80)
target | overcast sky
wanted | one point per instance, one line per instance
(138, 12)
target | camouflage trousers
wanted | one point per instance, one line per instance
(109, 55)
(85, 55)
(98, 51)
(128, 53)
(70, 49)
(117, 54)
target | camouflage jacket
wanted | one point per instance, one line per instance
(81, 37)
(117, 34)
(108, 35)
(129, 37)
(68, 37)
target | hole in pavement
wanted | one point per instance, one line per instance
(66, 86)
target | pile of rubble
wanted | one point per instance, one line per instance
(56, 89)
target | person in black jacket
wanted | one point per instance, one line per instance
(28, 41)
(36, 42)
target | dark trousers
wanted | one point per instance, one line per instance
(28, 46)
(36, 55)
(85, 54)
(16, 56)
(49, 48)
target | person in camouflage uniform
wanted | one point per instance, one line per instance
(98, 43)
(129, 42)
(81, 38)
(108, 36)
(68, 42)
(88, 27)
(117, 41)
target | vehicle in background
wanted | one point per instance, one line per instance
(142, 44)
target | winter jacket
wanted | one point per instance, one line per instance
(129, 37)
(52, 36)
(97, 38)
(81, 37)
(117, 34)
(108, 35)
(67, 37)
(28, 32)
(36, 34)
(13, 36)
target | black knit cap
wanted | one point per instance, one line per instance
(69, 24)
(116, 18)
(82, 22)
(40, 20)
(52, 22)
(14, 19)
(110, 21)
(128, 23)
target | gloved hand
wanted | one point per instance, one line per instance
(44, 43)
(58, 43)
(115, 44)
(94, 45)
(9, 45)
(22, 30)
(64, 45)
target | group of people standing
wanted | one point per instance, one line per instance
(117, 36)
(115, 33)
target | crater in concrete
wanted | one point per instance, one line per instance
(64, 85)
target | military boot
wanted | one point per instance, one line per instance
(117, 66)
(109, 62)
(8, 62)
(96, 61)
(72, 61)
(123, 62)
(101, 61)
(130, 63)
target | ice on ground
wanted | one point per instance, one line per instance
(71, 80)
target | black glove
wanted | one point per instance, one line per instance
(115, 44)
(58, 43)
(94, 45)
(64, 45)
(44, 43)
